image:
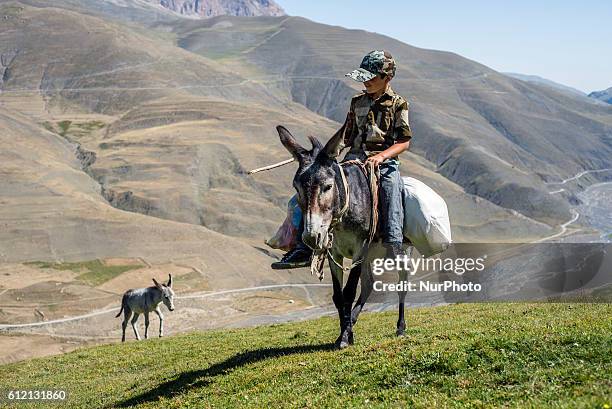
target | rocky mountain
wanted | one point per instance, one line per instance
(605, 95)
(212, 8)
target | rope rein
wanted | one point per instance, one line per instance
(347, 194)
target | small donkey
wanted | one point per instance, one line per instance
(143, 301)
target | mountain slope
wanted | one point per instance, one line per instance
(499, 138)
(543, 81)
(173, 131)
(126, 11)
(52, 209)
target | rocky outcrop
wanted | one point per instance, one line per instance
(212, 8)
(6, 59)
(85, 157)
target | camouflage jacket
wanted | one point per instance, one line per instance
(375, 125)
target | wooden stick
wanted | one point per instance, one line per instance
(276, 165)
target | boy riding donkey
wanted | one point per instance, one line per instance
(376, 130)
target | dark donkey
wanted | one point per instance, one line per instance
(322, 198)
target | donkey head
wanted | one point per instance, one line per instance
(318, 185)
(167, 293)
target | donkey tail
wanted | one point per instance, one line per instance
(123, 301)
(120, 311)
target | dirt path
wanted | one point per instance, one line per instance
(186, 297)
(575, 214)
(575, 217)
(576, 176)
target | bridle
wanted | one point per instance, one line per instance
(338, 217)
(367, 169)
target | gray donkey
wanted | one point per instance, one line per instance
(321, 196)
(143, 301)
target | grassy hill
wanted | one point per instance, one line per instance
(470, 355)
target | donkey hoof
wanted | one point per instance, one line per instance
(399, 333)
(341, 343)
(351, 338)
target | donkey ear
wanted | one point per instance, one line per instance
(316, 145)
(291, 144)
(333, 146)
(158, 285)
(169, 281)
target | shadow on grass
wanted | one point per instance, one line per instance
(200, 378)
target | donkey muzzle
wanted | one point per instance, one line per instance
(316, 232)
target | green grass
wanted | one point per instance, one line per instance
(470, 355)
(73, 129)
(90, 126)
(63, 127)
(94, 272)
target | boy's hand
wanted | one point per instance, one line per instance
(376, 160)
(390, 152)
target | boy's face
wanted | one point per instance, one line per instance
(376, 84)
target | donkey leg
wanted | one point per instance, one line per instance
(337, 278)
(349, 292)
(401, 323)
(127, 313)
(146, 314)
(367, 285)
(161, 321)
(403, 276)
(134, 319)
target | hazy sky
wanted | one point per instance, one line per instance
(565, 41)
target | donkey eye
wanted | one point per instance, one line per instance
(327, 187)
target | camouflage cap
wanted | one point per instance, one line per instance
(374, 63)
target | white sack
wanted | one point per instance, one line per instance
(426, 221)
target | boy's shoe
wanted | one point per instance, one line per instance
(298, 257)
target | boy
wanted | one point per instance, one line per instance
(377, 130)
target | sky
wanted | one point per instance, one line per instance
(569, 42)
